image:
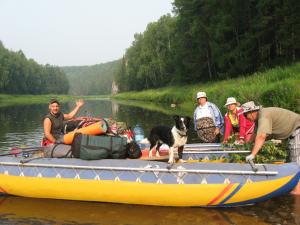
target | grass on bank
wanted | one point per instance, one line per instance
(278, 87)
(6, 100)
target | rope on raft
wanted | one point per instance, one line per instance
(144, 169)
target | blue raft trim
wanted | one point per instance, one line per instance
(232, 194)
(283, 190)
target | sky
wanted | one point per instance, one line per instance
(76, 32)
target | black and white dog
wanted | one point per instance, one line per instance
(175, 137)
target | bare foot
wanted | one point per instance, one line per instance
(150, 154)
(296, 190)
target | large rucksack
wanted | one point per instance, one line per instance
(78, 123)
(90, 147)
(58, 151)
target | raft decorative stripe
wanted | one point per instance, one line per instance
(231, 194)
(285, 188)
(222, 193)
(2, 190)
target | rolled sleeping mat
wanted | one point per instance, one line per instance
(94, 129)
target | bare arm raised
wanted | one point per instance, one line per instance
(70, 115)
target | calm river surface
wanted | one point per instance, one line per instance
(22, 126)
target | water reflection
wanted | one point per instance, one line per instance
(150, 115)
(22, 125)
(281, 210)
(17, 210)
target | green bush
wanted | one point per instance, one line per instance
(285, 94)
(269, 153)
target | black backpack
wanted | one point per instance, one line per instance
(90, 147)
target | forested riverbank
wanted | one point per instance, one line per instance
(211, 41)
(20, 75)
(201, 41)
(275, 87)
(6, 100)
(91, 80)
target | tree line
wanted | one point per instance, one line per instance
(19, 75)
(212, 40)
(91, 80)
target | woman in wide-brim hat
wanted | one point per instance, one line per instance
(236, 123)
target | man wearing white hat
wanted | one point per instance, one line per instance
(208, 120)
(277, 123)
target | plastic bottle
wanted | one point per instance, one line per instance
(138, 133)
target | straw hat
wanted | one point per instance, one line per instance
(231, 100)
(249, 107)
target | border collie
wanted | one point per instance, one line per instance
(175, 137)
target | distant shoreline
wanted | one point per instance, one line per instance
(8, 100)
(278, 87)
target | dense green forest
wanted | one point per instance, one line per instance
(204, 40)
(212, 40)
(19, 75)
(91, 80)
(279, 86)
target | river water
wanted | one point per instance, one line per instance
(21, 125)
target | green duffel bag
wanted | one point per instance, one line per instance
(90, 147)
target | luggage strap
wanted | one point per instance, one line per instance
(68, 153)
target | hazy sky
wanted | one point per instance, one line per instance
(76, 32)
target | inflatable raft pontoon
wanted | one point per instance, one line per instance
(146, 182)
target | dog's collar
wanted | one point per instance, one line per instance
(181, 133)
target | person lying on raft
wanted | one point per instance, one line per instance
(236, 123)
(277, 123)
(53, 121)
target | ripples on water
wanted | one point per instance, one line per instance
(22, 126)
(17, 210)
(28, 139)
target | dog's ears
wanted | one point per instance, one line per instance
(188, 118)
(176, 117)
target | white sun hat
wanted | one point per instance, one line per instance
(231, 100)
(201, 94)
(249, 107)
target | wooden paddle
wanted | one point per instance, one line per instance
(18, 150)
